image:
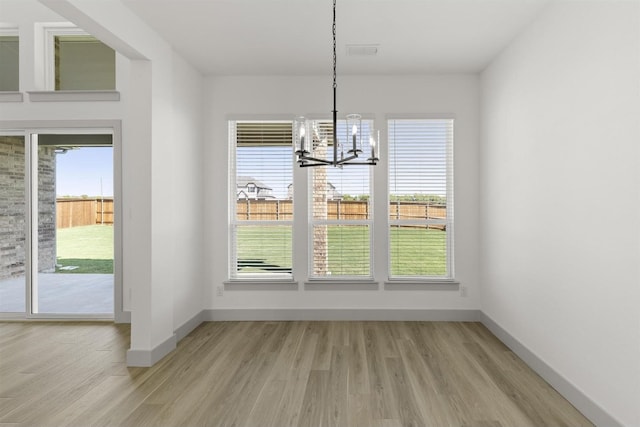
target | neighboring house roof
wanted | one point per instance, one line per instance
(243, 181)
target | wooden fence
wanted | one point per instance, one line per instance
(270, 210)
(74, 212)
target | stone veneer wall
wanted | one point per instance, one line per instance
(46, 209)
(13, 208)
(320, 232)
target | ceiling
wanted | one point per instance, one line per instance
(293, 37)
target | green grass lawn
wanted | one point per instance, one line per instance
(414, 251)
(90, 248)
(418, 252)
(263, 249)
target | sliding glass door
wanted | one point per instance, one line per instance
(75, 224)
(56, 222)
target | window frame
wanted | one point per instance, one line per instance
(369, 222)
(233, 222)
(449, 222)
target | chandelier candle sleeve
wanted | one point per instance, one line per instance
(372, 142)
(354, 131)
(354, 123)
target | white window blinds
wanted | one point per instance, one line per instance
(261, 199)
(420, 198)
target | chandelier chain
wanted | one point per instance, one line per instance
(334, 45)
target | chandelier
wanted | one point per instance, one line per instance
(309, 136)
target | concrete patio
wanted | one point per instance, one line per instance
(61, 294)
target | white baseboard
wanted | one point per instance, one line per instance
(147, 358)
(188, 326)
(122, 317)
(343, 314)
(568, 390)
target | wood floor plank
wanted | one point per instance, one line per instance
(297, 380)
(360, 413)
(314, 405)
(338, 387)
(377, 349)
(357, 357)
(285, 374)
(405, 401)
(433, 406)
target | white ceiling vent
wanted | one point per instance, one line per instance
(362, 49)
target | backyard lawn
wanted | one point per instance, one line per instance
(414, 251)
(89, 248)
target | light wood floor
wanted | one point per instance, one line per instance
(370, 374)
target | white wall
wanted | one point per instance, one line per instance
(187, 191)
(560, 181)
(162, 259)
(286, 97)
(161, 113)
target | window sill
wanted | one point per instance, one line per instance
(11, 97)
(260, 284)
(414, 284)
(74, 95)
(341, 285)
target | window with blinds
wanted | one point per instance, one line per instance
(420, 198)
(340, 210)
(261, 199)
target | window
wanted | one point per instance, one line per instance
(9, 60)
(339, 206)
(77, 61)
(261, 208)
(340, 211)
(420, 198)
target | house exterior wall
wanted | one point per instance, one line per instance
(46, 209)
(13, 208)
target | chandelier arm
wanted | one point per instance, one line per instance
(314, 159)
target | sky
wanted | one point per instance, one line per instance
(85, 171)
(89, 171)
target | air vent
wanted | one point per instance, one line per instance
(362, 49)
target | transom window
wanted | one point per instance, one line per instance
(9, 60)
(76, 60)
